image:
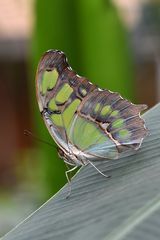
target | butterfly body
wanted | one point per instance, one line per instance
(73, 157)
(86, 122)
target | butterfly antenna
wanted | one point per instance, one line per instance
(30, 134)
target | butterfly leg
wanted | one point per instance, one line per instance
(107, 176)
(69, 179)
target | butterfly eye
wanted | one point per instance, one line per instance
(60, 153)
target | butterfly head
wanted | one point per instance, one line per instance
(72, 158)
(61, 154)
(67, 157)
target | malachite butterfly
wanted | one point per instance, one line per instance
(86, 122)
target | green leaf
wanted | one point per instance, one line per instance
(126, 206)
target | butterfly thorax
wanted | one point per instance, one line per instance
(73, 157)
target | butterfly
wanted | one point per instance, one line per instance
(87, 123)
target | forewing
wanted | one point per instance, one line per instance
(59, 93)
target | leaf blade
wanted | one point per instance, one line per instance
(100, 208)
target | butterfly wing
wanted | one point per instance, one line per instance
(98, 122)
(59, 93)
(115, 125)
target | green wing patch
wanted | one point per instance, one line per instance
(63, 94)
(84, 133)
(49, 79)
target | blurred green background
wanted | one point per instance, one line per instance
(115, 44)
